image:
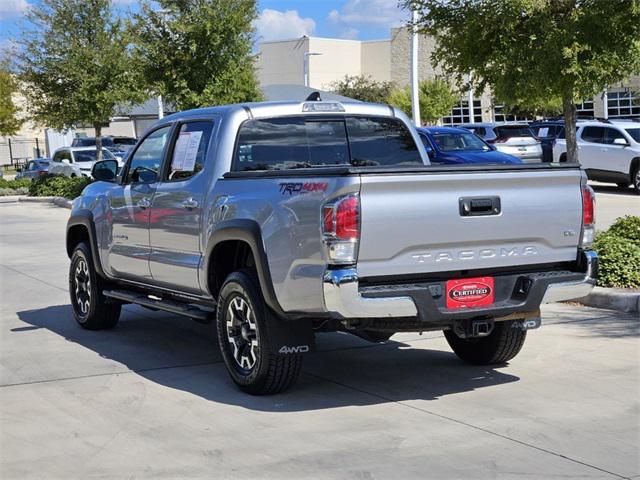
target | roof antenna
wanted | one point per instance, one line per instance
(314, 97)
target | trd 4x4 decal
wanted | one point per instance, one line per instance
(300, 187)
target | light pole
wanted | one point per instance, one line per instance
(415, 98)
(305, 66)
(164, 13)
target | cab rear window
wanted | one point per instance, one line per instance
(307, 142)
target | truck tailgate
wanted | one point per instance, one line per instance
(414, 223)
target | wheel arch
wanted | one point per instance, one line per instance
(227, 247)
(635, 165)
(80, 228)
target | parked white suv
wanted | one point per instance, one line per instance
(76, 161)
(510, 138)
(608, 151)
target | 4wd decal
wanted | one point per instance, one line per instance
(300, 187)
(297, 349)
(470, 292)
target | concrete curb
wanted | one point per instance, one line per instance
(612, 299)
(58, 201)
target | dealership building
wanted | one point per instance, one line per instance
(322, 61)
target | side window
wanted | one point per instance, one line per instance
(57, 157)
(612, 134)
(561, 133)
(147, 159)
(190, 150)
(32, 166)
(593, 134)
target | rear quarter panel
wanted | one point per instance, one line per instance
(289, 219)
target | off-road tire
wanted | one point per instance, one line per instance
(263, 371)
(500, 346)
(91, 309)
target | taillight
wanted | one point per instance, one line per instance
(588, 215)
(341, 229)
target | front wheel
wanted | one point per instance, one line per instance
(91, 309)
(500, 346)
(243, 335)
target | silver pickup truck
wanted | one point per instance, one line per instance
(275, 221)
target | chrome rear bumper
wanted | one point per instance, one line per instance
(343, 298)
(557, 292)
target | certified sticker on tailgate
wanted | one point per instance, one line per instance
(470, 292)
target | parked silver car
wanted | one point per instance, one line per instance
(76, 161)
(514, 139)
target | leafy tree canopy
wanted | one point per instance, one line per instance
(197, 53)
(363, 88)
(9, 121)
(436, 99)
(531, 52)
(76, 65)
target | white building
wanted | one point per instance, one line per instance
(329, 60)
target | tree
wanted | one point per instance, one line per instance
(363, 88)
(532, 52)
(9, 121)
(76, 65)
(436, 99)
(197, 53)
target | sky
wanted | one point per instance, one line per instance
(278, 19)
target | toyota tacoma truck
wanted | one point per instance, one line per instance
(277, 221)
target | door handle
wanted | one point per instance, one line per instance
(144, 203)
(189, 204)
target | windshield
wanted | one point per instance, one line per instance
(634, 133)
(510, 131)
(459, 142)
(90, 155)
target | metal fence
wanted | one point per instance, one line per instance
(15, 152)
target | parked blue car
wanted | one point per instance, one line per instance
(450, 145)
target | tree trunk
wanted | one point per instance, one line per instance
(570, 118)
(98, 128)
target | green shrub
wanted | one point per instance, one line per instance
(15, 184)
(56, 186)
(619, 252)
(4, 192)
(627, 227)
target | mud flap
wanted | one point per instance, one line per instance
(288, 337)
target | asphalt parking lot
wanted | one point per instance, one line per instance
(151, 399)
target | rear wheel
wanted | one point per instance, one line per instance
(243, 335)
(503, 344)
(91, 309)
(636, 180)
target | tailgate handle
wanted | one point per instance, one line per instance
(477, 206)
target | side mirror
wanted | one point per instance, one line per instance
(105, 171)
(620, 141)
(66, 161)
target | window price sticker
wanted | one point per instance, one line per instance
(186, 151)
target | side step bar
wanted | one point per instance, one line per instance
(198, 313)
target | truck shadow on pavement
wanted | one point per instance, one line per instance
(346, 371)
